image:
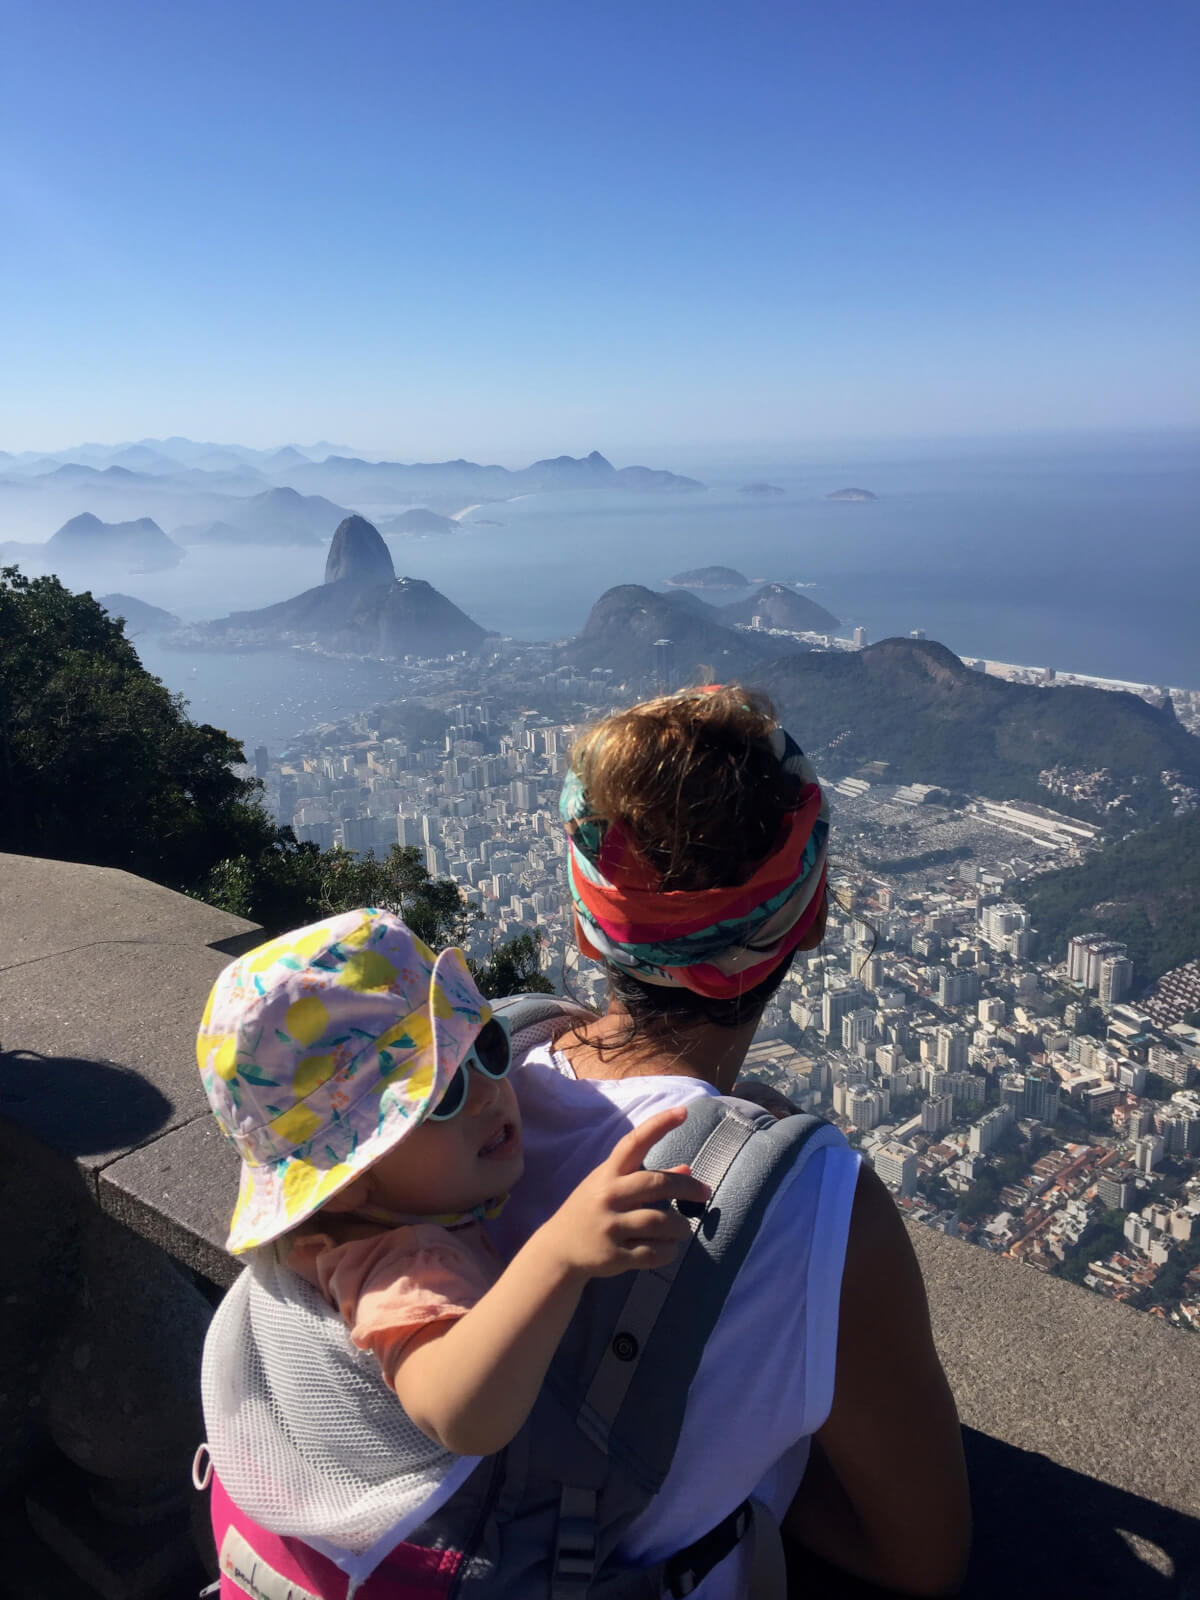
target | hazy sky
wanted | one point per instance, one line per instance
(503, 230)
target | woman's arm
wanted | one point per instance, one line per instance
(885, 1496)
(470, 1384)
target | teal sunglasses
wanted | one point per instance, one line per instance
(491, 1055)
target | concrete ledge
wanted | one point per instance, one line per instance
(49, 907)
(1094, 1387)
(179, 1192)
(103, 977)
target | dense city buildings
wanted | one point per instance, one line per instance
(1036, 1106)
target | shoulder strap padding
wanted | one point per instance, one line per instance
(635, 1345)
(535, 1019)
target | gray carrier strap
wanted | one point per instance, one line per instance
(649, 1290)
(535, 1019)
(653, 1327)
(659, 1322)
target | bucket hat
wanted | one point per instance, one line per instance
(321, 1050)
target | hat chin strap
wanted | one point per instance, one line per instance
(485, 1211)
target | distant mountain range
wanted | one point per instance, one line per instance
(225, 493)
(379, 482)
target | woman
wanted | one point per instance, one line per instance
(697, 836)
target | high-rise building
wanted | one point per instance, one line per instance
(664, 665)
(986, 1133)
(1138, 1231)
(866, 1107)
(1148, 1152)
(836, 1002)
(1041, 1097)
(956, 986)
(1115, 1190)
(409, 832)
(261, 763)
(860, 638)
(896, 1165)
(857, 1027)
(999, 922)
(1086, 955)
(1116, 979)
(937, 1114)
(951, 1049)
(968, 1089)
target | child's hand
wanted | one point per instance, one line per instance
(619, 1218)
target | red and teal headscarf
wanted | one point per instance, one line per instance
(716, 942)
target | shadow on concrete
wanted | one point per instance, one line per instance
(77, 1107)
(1043, 1532)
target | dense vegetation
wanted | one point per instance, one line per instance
(100, 763)
(1143, 890)
(915, 705)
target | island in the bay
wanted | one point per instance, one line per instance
(709, 578)
(761, 491)
(852, 494)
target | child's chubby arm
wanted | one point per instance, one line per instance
(470, 1384)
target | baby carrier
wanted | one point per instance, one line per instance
(543, 1517)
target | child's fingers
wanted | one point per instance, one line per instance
(650, 1187)
(643, 1226)
(629, 1154)
(645, 1257)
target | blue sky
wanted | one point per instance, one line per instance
(656, 229)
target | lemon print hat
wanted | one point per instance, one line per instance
(321, 1050)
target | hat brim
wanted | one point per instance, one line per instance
(275, 1197)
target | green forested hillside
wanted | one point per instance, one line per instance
(1144, 890)
(915, 705)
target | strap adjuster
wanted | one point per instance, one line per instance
(574, 1543)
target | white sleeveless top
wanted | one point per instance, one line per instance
(765, 1382)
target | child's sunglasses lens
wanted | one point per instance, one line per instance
(492, 1050)
(452, 1101)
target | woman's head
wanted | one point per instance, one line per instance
(697, 862)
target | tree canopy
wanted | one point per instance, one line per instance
(99, 761)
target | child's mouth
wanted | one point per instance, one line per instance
(502, 1143)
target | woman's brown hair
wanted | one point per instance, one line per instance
(693, 779)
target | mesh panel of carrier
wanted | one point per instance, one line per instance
(304, 1434)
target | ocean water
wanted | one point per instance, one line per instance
(1081, 554)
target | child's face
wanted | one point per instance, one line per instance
(454, 1165)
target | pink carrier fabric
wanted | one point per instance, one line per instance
(409, 1573)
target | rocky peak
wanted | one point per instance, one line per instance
(359, 553)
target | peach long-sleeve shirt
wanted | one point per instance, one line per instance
(388, 1286)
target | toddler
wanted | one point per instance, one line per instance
(364, 1081)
